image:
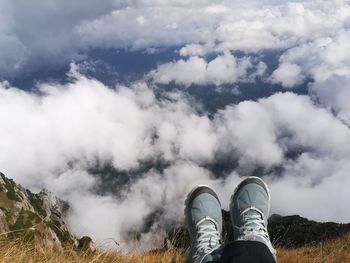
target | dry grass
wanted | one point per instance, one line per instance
(19, 252)
(335, 251)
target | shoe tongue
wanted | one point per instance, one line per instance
(207, 222)
(251, 223)
(252, 213)
(212, 242)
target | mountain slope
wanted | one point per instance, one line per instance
(34, 217)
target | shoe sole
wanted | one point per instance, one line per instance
(249, 180)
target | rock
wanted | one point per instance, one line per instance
(86, 244)
(285, 231)
(296, 231)
(34, 217)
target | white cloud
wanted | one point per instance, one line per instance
(52, 137)
(302, 28)
(85, 121)
(261, 133)
(334, 93)
(40, 34)
(67, 28)
(289, 75)
(248, 26)
(224, 69)
(320, 59)
(248, 129)
(216, 9)
(194, 50)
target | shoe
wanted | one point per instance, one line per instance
(249, 210)
(204, 223)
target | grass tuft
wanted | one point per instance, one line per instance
(15, 251)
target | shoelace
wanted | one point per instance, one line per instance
(208, 237)
(254, 224)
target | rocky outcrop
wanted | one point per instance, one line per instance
(296, 231)
(285, 232)
(34, 217)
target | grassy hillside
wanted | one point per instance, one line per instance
(332, 251)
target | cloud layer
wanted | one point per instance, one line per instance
(52, 137)
(313, 35)
(55, 134)
(224, 69)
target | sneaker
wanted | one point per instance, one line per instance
(249, 209)
(204, 223)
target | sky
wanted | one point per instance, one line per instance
(121, 107)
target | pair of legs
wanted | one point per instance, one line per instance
(249, 209)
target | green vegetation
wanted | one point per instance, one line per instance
(11, 192)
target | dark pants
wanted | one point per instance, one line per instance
(247, 252)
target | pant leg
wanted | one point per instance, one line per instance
(247, 252)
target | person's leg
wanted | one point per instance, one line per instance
(247, 252)
(249, 209)
(204, 223)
